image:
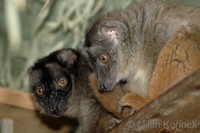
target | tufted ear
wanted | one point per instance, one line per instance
(68, 57)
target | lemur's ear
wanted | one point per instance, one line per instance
(29, 71)
(113, 31)
(68, 57)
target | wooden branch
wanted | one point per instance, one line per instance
(16, 98)
(176, 110)
(18, 107)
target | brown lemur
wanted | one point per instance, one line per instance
(148, 47)
(60, 86)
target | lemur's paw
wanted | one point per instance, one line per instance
(114, 122)
(133, 101)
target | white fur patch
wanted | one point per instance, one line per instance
(139, 83)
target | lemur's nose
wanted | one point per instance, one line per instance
(53, 110)
(102, 88)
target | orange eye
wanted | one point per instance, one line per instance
(39, 91)
(62, 83)
(104, 58)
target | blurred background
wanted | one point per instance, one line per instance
(30, 29)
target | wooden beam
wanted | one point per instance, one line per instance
(28, 121)
(176, 110)
(18, 106)
(16, 98)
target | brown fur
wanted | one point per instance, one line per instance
(178, 59)
(151, 46)
(109, 100)
(79, 101)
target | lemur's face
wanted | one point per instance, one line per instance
(103, 41)
(50, 82)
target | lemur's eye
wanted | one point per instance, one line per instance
(62, 82)
(104, 58)
(39, 91)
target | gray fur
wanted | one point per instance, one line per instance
(144, 29)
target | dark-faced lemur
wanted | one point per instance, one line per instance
(60, 85)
